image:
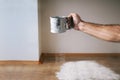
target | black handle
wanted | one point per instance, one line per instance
(69, 23)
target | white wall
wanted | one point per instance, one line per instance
(19, 30)
(98, 11)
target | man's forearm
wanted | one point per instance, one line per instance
(105, 32)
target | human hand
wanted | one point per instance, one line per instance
(76, 20)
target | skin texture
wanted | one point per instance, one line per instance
(108, 32)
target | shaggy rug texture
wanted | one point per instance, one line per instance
(86, 70)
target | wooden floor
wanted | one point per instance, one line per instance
(13, 70)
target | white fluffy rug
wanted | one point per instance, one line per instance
(86, 70)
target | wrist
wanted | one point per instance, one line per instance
(81, 25)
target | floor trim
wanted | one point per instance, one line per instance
(18, 62)
(83, 54)
(80, 55)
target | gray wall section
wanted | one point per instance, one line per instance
(19, 30)
(97, 11)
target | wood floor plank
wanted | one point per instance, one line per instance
(15, 70)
